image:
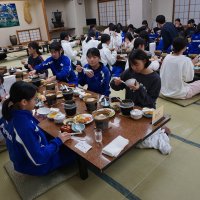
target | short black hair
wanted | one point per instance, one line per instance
(91, 34)
(144, 35)
(129, 36)
(92, 26)
(104, 38)
(160, 19)
(63, 35)
(35, 46)
(191, 21)
(19, 90)
(93, 52)
(179, 44)
(139, 41)
(198, 28)
(144, 22)
(138, 54)
(111, 26)
(178, 20)
(55, 46)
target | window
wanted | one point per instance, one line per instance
(187, 9)
(113, 11)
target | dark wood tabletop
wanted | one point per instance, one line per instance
(133, 130)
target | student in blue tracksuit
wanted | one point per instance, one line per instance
(59, 64)
(94, 74)
(29, 149)
(194, 46)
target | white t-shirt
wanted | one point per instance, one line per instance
(108, 57)
(85, 46)
(68, 51)
(175, 72)
(115, 40)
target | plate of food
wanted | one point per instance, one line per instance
(83, 118)
(115, 106)
(68, 121)
(148, 112)
(52, 115)
(43, 111)
(110, 111)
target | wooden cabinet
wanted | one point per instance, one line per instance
(55, 32)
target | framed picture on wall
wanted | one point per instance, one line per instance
(8, 15)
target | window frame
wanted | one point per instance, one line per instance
(115, 10)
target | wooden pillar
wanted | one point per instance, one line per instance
(45, 19)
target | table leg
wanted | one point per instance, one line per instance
(82, 165)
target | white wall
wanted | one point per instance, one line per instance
(147, 11)
(70, 14)
(136, 12)
(73, 14)
(53, 6)
(37, 18)
(91, 9)
(162, 7)
(80, 17)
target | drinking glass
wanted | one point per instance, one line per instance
(98, 135)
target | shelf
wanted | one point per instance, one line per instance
(60, 29)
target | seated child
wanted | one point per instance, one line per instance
(59, 64)
(94, 74)
(29, 149)
(176, 71)
(145, 91)
(34, 58)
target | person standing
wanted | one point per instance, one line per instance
(168, 31)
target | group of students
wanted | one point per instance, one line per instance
(31, 150)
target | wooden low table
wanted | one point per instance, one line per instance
(133, 130)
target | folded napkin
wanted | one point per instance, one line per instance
(114, 148)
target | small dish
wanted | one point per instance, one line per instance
(68, 121)
(136, 114)
(58, 119)
(110, 111)
(83, 118)
(78, 127)
(130, 82)
(52, 115)
(43, 111)
(148, 112)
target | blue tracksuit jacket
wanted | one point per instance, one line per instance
(99, 83)
(61, 68)
(194, 46)
(29, 149)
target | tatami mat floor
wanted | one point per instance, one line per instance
(146, 174)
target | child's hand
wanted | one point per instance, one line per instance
(50, 79)
(117, 81)
(30, 67)
(23, 62)
(79, 69)
(89, 73)
(135, 86)
(31, 73)
(64, 136)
